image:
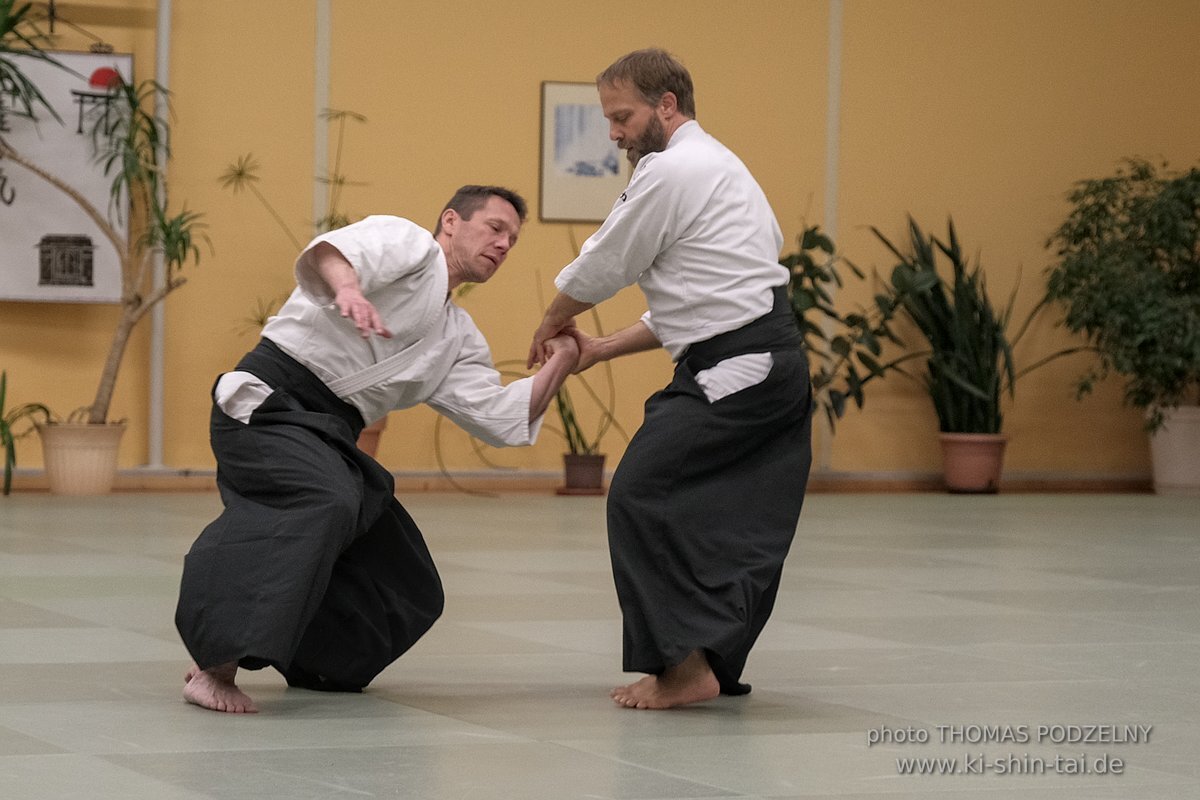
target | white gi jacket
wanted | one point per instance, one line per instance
(436, 354)
(696, 233)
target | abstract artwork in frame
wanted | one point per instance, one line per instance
(583, 172)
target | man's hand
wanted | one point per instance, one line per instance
(359, 310)
(564, 346)
(549, 329)
(342, 280)
(589, 349)
(559, 317)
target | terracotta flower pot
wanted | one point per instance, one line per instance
(582, 474)
(972, 462)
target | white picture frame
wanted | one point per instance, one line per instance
(53, 251)
(583, 172)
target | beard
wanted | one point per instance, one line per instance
(652, 140)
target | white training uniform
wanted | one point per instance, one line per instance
(696, 233)
(705, 502)
(436, 354)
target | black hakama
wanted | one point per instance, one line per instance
(704, 505)
(314, 567)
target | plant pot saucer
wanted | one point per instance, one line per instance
(579, 491)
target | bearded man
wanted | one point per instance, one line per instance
(704, 505)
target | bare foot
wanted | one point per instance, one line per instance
(691, 681)
(214, 689)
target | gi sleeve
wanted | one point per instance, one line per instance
(472, 396)
(647, 218)
(382, 249)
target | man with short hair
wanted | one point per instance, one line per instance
(704, 505)
(314, 568)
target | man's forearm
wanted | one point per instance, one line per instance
(548, 380)
(334, 268)
(634, 339)
(341, 278)
(563, 308)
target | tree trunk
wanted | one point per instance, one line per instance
(110, 233)
(131, 309)
(98, 413)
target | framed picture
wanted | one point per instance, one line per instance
(52, 250)
(583, 172)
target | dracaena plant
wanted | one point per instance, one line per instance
(20, 35)
(130, 142)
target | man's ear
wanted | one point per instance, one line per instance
(450, 219)
(668, 104)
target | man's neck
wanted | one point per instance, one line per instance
(675, 123)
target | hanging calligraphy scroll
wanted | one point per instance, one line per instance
(50, 250)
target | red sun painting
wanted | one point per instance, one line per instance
(104, 78)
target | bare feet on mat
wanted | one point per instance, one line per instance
(691, 681)
(214, 689)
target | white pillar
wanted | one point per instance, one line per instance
(162, 70)
(321, 102)
(833, 105)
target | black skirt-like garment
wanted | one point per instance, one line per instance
(313, 567)
(704, 505)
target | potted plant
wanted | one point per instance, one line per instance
(130, 142)
(1128, 279)
(969, 359)
(10, 420)
(583, 463)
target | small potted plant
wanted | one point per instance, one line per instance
(11, 420)
(1128, 279)
(583, 463)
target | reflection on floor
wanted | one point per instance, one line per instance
(1047, 644)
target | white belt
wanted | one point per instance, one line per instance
(376, 373)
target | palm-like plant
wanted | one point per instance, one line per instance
(131, 146)
(20, 35)
(243, 176)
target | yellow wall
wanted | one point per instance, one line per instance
(982, 110)
(989, 112)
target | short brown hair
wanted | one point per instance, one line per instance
(654, 72)
(470, 198)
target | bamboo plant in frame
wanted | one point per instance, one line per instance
(582, 171)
